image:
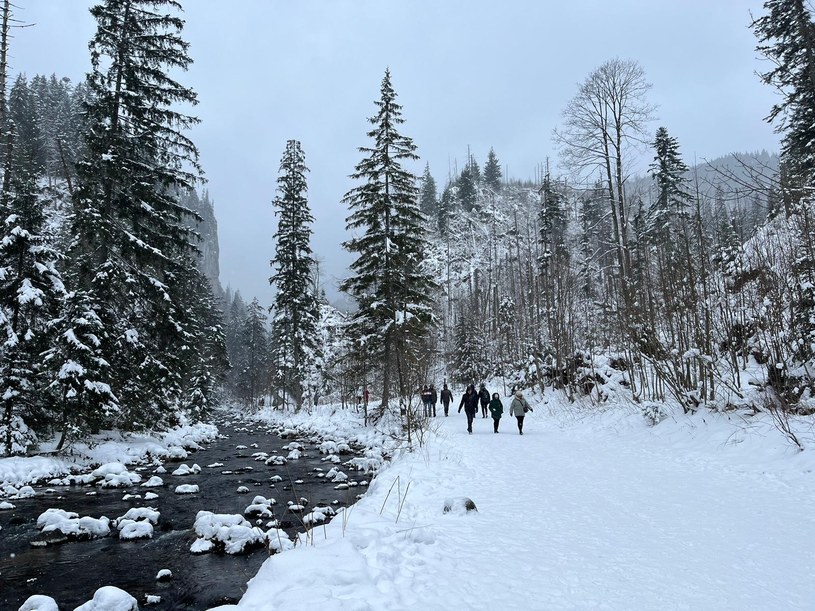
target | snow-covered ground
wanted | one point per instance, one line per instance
(589, 508)
(586, 510)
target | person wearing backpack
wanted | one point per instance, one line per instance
(484, 398)
(518, 408)
(446, 399)
(496, 409)
(434, 398)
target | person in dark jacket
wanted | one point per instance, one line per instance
(426, 400)
(434, 398)
(469, 401)
(496, 409)
(446, 399)
(484, 397)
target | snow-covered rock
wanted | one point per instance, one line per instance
(5, 506)
(242, 490)
(278, 540)
(187, 489)
(153, 482)
(164, 575)
(71, 525)
(130, 529)
(277, 461)
(110, 598)
(38, 602)
(230, 531)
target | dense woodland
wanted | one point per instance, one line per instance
(677, 286)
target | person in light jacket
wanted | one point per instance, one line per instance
(518, 408)
(496, 409)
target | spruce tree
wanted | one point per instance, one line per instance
(31, 288)
(444, 214)
(467, 189)
(786, 35)
(492, 172)
(254, 368)
(673, 197)
(390, 286)
(131, 245)
(428, 201)
(294, 345)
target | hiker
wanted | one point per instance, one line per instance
(469, 400)
(518, 408)
(446, 399)
(426, 400)
(484, 397)
(434, 398)
(496, 409)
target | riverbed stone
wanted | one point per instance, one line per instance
(459, 504)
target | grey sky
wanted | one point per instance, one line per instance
(478, 73)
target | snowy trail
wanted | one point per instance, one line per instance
(568, 518)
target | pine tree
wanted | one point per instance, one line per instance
(253, 370)
(786, 35)
(673, 199)
(131, 247)
(31, 288)
(467, 189)
(389, 285)
(428, 201)
(492, 172)
(444, 213)
(294, 346)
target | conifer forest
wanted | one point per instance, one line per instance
(672, 282)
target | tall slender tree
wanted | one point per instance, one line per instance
(294, 344)
(390, 285)
(131, 245)
(428, 198)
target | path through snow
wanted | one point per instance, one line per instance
(605, 514)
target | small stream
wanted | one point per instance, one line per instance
(71, 572)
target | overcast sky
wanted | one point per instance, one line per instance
(475, 73)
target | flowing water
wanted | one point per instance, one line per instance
(71, 572)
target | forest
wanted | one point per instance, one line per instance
(675, 287)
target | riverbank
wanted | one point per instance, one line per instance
(587, 509)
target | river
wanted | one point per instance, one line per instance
(71, 572)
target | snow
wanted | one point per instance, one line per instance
(109, 598)
(187, 489)
(39, 602)
(588, 509)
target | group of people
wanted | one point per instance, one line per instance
(471, 400)
(430, 398)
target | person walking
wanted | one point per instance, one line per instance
(518, 408)
(426, 400)
(469, 401)
(484, 397)
(446, 399)
(496, 409)
(434, 398)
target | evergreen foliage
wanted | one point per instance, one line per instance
(492, 172)
(132, 251)
(428, 198)
(294, 346)
(389, 285)
(786, 35)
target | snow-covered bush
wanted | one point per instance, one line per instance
(22, 437)
(654, 413)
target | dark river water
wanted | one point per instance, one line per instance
(71, 572)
